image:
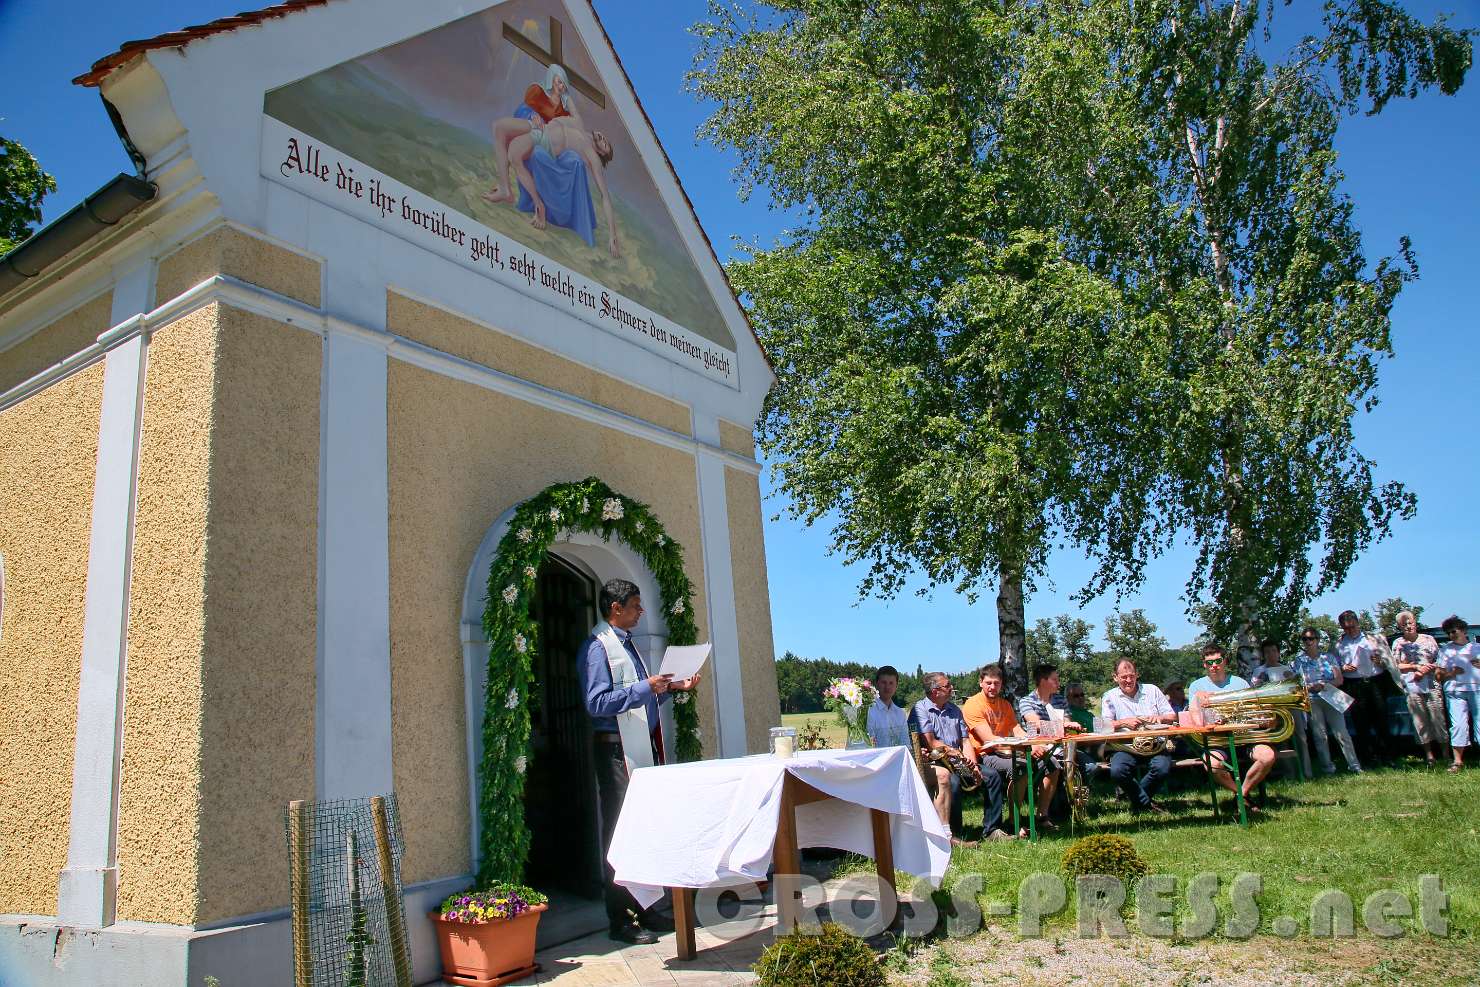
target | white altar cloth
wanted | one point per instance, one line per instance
(713, 823)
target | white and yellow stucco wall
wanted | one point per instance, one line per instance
(252, 453)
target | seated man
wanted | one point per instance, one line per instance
(942, 726)
(1131, 706)
(1081, 714)
(1261, 756)
(1037, 711)
(1274, 670)
(989, 717)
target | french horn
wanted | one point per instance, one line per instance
(958, 764)
(1076, 790)
(1141, 746)
(1263, 715)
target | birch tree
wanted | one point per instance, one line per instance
(1069, 273)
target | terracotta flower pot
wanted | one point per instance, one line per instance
(488, 953)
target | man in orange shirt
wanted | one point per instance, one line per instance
(989, 717)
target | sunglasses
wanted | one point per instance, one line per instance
(1310, 637)
(1210, 662)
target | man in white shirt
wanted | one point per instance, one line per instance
(1132, 705)
(888, 724)
(1261, 756)
(1363, 666)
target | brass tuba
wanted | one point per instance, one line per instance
(1264, 714)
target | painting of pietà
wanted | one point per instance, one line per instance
(503, 116)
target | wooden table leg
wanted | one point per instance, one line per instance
(883, 847)
(786, 862)
(683, 921)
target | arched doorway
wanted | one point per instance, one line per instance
(585, 552)
(560, 787)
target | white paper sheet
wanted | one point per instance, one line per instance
(1335, 698)
(683, 661)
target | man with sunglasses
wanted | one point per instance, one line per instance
(941, 725)
(1260, 757)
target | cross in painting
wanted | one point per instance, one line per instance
(556, 55)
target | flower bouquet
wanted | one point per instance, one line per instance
(850, 699)
(488, 935)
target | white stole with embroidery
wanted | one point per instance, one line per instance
(632, 726)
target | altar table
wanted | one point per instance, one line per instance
(725, 823)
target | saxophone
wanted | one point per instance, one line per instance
(1264, 714)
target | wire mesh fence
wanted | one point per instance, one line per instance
(349, 927)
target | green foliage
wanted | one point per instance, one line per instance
(1071, 273)
(1107, 854)
(1385, 614)
(832, 958)
(800, 681)
(22, 187)
(943, 971)
(359, 938)
(512, 634)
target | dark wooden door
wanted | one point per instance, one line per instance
(560, 789)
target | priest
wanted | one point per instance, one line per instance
(623, 698)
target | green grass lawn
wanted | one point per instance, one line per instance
(1357, 834)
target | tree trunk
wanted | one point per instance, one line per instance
(1010, 630)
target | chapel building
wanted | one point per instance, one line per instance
(386, 272)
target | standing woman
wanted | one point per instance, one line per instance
(1322, 672)
(1417, 656)
(1460, 671)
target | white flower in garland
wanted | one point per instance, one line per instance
(639, 526)
(529, 572)
(519, 764)
(681, 698)
(662, 541)
(510, 594)
(585, 505)
(520, 644)
(512, 700)
(677, 608)
(525, 535)
(555, 514)
(612, 510)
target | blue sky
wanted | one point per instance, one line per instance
(1411, 171)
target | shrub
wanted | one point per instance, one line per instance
(833, 958)
(1113, 856)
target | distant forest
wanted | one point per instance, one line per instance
(1063, 641)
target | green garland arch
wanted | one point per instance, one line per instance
(589, 506)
